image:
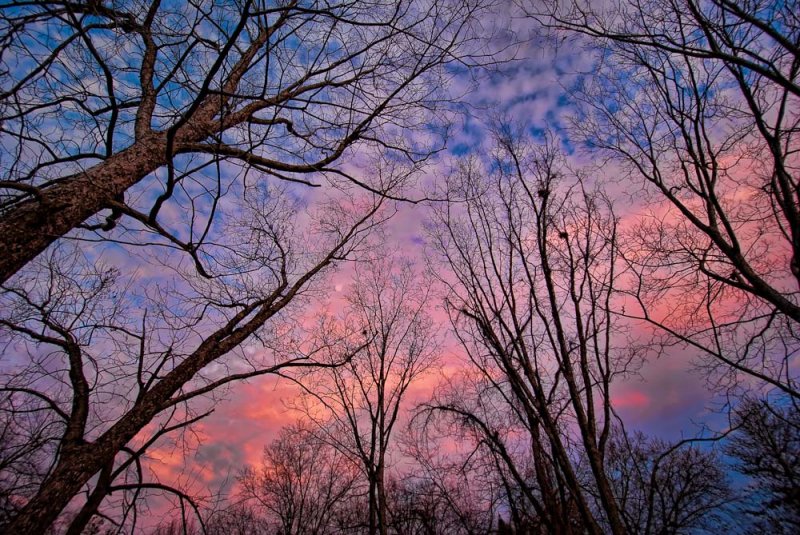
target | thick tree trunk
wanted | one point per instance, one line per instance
(30, 228)
(80, 462)
(74, 469)
(89, 509)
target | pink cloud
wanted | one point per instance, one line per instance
(631, 399)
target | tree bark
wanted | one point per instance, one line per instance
(381, 491)
(31, 227)
(79, 462)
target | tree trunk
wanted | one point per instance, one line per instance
(30, 228)
(78, 463)
(89, 509)
(381, 495)
(373, 506)
(74, 469)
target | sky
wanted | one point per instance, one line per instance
(666, 398)
(532, 88)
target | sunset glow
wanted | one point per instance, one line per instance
(399, 267)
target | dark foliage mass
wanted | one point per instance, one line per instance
(181, 180)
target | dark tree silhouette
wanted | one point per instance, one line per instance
(698, 100)
(238, 519)
(110, 368)
(766, 447)
(173, 126)
(302, 484)
(533, 260)
(357, 406)
(130, 108)
(667, 488)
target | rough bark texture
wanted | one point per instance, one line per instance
(30, 228)
(80, 461)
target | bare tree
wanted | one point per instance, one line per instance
(452, 487)
(112, 365)
(26, 435)
(766, 447)
(419, 506)
(667, 488)
(302, 483)
(142, 123)
(699, 100)
(356, 406)
(532, 284)
(238, 519)
(175, 527)
(531, 280)
(499, 455)
(129, 110)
